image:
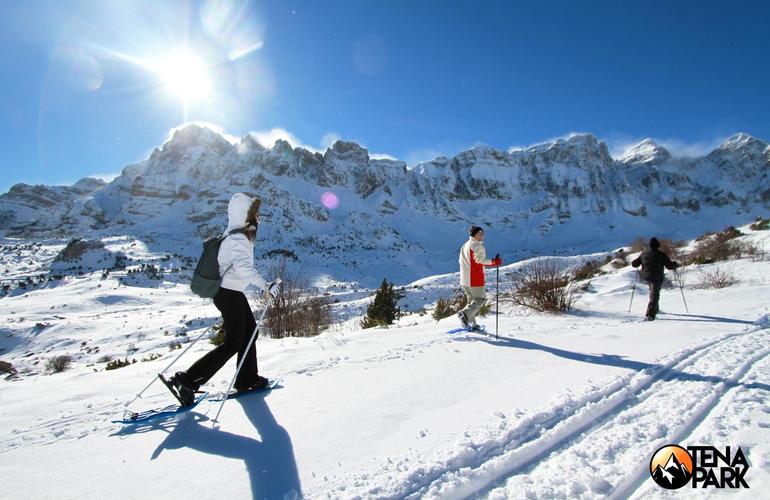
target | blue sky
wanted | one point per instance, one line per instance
(88, 87)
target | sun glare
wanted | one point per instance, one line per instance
(185, 76)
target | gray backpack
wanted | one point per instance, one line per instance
(206, 279)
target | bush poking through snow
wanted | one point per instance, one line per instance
(118, 363)
(543, 285)
(58, 364)
(587, 270)
(6, 367)
(383, 310)
(756, 251)
(297, 311)
(444, 308)
(716, 247)
(760, 224)
(219, 334)
(447, 307)
(717, 278)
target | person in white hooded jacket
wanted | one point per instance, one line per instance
(239, 277)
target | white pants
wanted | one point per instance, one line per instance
(477, 297)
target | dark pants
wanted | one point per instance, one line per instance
(652, 306)
(239, 325)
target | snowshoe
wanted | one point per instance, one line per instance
(271, 384)
(259, 384)
(131, 417)
(179, 388)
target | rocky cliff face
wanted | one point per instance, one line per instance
(564, 195)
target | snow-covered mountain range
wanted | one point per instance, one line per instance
(559, 197)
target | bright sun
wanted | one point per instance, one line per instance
(185, 76)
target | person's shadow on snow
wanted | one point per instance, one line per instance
(269, 460)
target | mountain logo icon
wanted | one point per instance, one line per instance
(671, 467)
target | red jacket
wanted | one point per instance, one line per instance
(473, 258)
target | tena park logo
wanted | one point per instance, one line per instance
(672, 467)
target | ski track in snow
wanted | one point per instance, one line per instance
(570, 449)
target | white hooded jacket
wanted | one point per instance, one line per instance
(236, 254)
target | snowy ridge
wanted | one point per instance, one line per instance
(567, 196)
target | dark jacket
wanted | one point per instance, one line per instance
(653, 261)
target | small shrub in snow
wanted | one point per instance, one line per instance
(6, 367)
(297, 311)
(219, 334)
(717, 278)
(717, 247)
(444, 308)
(118, 363)
(58, 364)
(760, 224)
(587, 270)
(151, 357)
(383, 310)
(543, 285)
(756, 251)
(713, 250)
(448, 307)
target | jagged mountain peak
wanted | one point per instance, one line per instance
(189, 138)
(347, 151)
(587, 139)
(87, 185)
(647, 152)
(249, 143)
(282, 146)
(743, 141)
(196, 134)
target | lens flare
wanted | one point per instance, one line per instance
(330, 200)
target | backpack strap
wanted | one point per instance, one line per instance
(241, 230)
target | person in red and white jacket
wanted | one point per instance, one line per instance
(473, 259)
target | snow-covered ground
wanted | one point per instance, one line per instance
(569, 406)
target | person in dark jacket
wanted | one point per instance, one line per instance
(653, 261)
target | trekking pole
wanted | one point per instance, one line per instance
(497, 301)
(681, 289)
(455, 294)
(243, 359)
(633, 289)
(154, 379)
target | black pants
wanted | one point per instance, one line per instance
(652, 306)
(239, 325)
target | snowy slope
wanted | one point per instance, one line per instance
(569, 406)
